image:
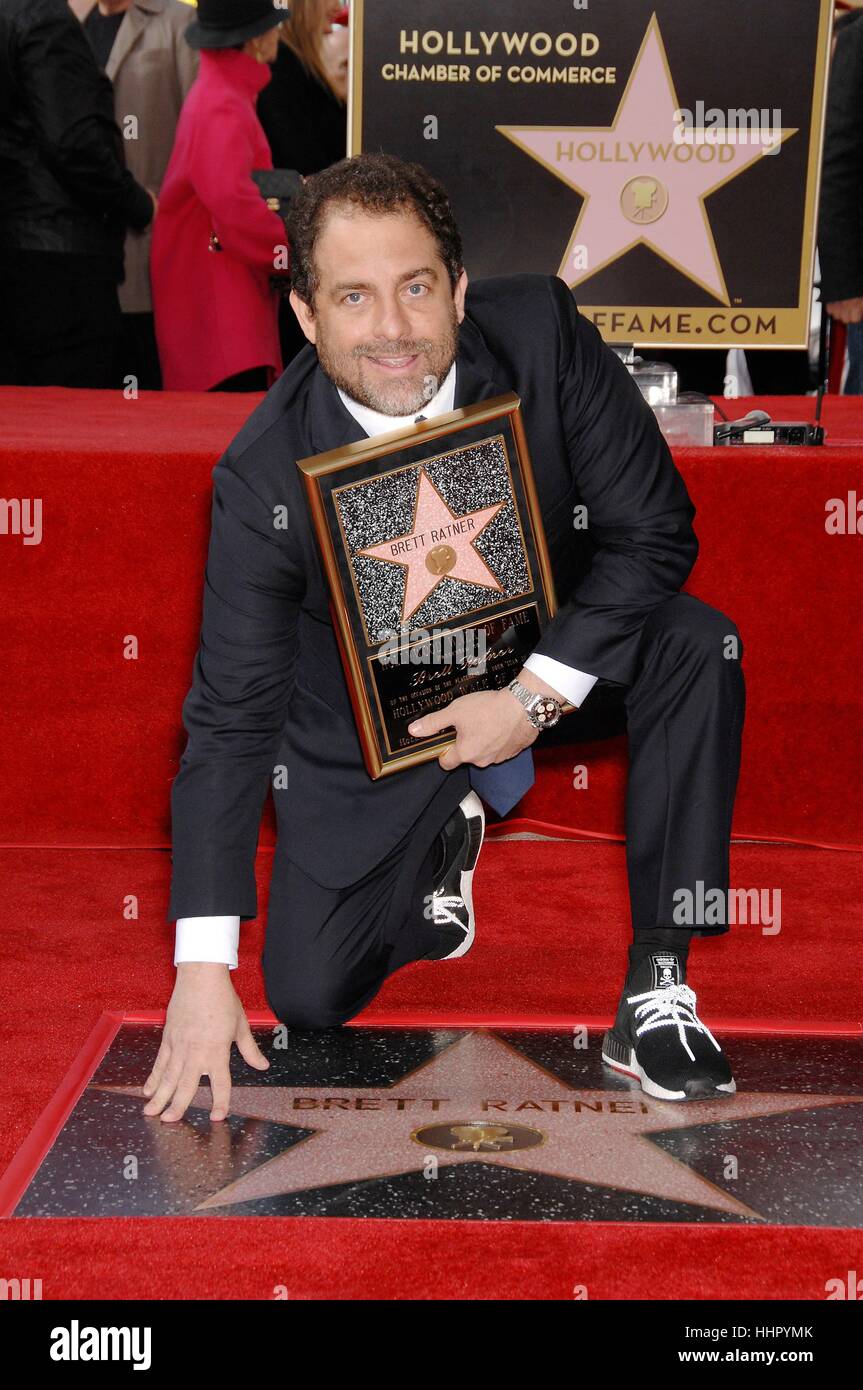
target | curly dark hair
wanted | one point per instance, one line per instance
(379, 184)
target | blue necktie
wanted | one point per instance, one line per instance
(503, 784)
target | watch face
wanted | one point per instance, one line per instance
(546, 712)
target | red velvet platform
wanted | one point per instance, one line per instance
(92, 739)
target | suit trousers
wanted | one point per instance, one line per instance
(327, 951)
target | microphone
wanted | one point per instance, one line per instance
(753, 420)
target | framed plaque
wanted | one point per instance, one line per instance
(435, 556)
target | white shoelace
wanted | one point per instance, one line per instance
(443, 910)
(673, 1005)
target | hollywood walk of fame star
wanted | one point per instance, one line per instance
(479, 1086)
(439, 546)
(659, 200)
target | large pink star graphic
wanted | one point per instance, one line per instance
(639, 185)
(439, 546)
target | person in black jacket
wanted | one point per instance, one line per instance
(370, 875)
(304, 119)
(840, 226)
(66, 199)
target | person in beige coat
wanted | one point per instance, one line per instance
(141, 46)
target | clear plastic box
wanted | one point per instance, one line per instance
(686, 422)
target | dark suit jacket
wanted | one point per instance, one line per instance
(268, 685)
(840, 221)
(65, 185)
(304, 122)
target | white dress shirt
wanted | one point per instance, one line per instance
(217, 938)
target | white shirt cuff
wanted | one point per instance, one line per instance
(574, 685)
(214, 939)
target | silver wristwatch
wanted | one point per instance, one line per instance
(543, 711)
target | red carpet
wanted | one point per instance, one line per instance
(70, 955)
(316, 1258)
(551, 948)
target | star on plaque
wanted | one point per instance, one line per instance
(440, 545)
(639, 185)
(482, 1101)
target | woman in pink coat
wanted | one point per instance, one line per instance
(216, 314)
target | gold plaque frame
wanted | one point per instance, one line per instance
(327, 477)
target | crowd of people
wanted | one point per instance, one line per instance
(136, 246)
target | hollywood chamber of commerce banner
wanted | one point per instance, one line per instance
(661, 156)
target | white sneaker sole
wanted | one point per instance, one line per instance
(651, 1087)
(471, 806)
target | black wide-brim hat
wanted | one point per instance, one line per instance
(223, 23)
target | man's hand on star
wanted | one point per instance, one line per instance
(491, 726)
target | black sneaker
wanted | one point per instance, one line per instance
(659, 1039)
(450, 906)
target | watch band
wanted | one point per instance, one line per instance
(543, 711)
